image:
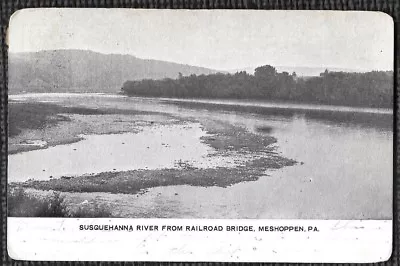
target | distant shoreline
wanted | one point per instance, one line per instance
(228, 101)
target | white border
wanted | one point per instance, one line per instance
(59, 239)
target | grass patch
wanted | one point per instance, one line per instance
(88, 211)
(22, 204)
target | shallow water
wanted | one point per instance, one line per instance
(345, 168)
(346, 174)
(154, 147)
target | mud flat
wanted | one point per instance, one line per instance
(198, 154)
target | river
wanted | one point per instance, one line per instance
(345, 157)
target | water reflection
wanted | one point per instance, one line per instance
(345, 167)
(379, 120)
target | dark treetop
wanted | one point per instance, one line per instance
(370, 89)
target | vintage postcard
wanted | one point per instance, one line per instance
(200, 135)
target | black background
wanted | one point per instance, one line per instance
(7, 7)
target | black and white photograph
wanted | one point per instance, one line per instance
(212, 115)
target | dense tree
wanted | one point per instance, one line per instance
(373, 89)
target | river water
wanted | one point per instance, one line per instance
(345, 157)
(346, 170)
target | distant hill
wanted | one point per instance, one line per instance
(86, 71)
(302, 71)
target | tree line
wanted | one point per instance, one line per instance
(370, 89)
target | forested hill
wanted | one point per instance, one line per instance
(370, 89)
(86, 71)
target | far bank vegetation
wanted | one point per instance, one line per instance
(370, 89)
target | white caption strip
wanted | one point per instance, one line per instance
(335, 241)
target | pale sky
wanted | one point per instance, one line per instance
(218, 39)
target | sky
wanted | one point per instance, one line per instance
(218, 39)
